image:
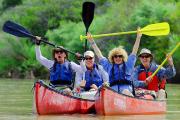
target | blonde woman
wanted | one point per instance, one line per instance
(119, 65)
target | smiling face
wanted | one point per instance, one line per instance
(118, 55)
(89, 61)
(117, 59)
(145, 59)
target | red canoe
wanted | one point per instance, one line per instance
(50, 101)
(109, 102)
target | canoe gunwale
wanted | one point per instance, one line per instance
(105, 87)
(41, 82)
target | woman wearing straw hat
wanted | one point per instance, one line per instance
(142, 73)
(118, 65)
(61, 70)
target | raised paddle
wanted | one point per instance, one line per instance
(19, 31)
(150, 30)
(87, 16)
(160, 66)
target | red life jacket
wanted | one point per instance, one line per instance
(155, 84)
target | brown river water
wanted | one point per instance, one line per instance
(16, 104)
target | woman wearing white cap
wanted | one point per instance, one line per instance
(94, 75)
(142, 72)
(61, 70)
(119, 66)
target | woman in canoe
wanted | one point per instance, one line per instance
(118, 65)
(142, 73)
(93, 76)
(61, 70)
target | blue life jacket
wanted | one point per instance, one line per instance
(61, 73)
(118, 75)
(93, 77)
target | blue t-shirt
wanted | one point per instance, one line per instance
(119, 73)
(118, 69)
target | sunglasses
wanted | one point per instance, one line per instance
(59, 52)
(88, 58)
(116, 56)
(144, 56)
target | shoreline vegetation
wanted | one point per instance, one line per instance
(60, 21)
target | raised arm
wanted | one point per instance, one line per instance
(137, 42)
(94, 46)
(104, 74)
(44, 61)
(165, 73)
(170, 71)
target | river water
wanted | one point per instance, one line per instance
(16, 104)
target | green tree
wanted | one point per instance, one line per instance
(10, 3)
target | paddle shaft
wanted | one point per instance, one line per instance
(160, 66)
(86, 41)
(19, 31)
(44, 41)
(122, 33)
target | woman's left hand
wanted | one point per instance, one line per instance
(169, 59)
(139, 34)
(93, 86)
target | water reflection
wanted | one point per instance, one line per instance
(16, 104)
(95, 117)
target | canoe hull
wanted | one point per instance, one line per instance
(109, 102)
(49, 101)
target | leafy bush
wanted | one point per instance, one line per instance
(10, 3)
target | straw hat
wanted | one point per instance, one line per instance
(145, 51)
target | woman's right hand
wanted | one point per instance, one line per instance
(38, 40)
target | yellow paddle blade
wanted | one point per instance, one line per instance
(156, 29)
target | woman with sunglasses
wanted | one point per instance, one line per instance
(142, 73)
(118, 65)
(61, 70)
(94, 75)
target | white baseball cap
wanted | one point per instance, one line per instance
(89, 53)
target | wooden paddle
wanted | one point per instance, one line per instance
(87, 16)
(150, 30)
(19, 31)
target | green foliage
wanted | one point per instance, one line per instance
(10, 3)
(60, 21)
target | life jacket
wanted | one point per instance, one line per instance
(61, 74)
(118, 76)
(155, 84)
(93, 77)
